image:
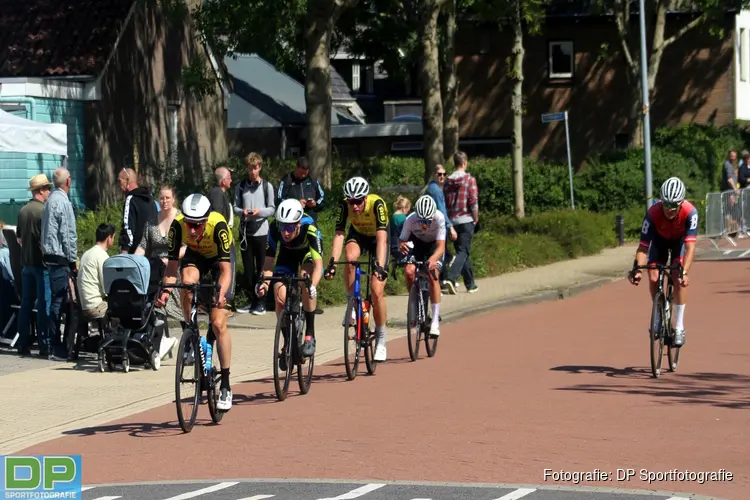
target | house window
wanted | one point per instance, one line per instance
(355, 77)
(561, 59)
(173, 123)
(743, 54)
(370, 75)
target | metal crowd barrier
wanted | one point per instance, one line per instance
(727, 213)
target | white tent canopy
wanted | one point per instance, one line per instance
(19, 135)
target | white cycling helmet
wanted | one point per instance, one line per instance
(289, 212)
(673, 190)
(196, 208)
(356, 187)
(425, 207)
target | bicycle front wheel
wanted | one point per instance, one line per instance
(282, 374)
(413, 325)
(351, 339)
(188, 372)
(656, 336)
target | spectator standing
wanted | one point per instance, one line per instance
(218, 196)
(299, 185)
(462, 203)
(91, 290)
(59, 252)
(743, 170)
(34, 274)
(401, 208)
(434, 189)
(5, 267)
(729, 183)
(8, 295)
(138, 209)
(254, 203)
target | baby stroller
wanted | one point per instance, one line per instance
(134, 330)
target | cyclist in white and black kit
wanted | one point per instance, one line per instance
(423, 237)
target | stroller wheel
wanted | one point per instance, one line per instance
(126, 364)
(155, 360)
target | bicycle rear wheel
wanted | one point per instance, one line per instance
(351, 343)
(281, 378)
(413, 325)
(368, 344)
(190, 373)
(430, 342)
(673, 352)
(213, 386)
(304, 365)
(656, 335)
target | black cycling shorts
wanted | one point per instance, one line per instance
(210, 267)
(659, 250)
(369, 244)
(289, 261)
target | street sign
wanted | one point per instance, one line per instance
(553, 117)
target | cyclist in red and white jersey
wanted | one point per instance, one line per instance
(671, 224)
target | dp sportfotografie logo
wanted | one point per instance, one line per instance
(41, 476)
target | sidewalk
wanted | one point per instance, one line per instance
(41, 404)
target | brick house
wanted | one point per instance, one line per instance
(576, 64)
(112, 71)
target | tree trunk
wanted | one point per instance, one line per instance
(318, 99)
(517, 106)
(429, 79)
(449, 81)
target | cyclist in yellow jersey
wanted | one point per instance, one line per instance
(210, 249)
(368, 232)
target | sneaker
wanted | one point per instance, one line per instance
(435, 330)
(380, 352)
(308, 348)
(450, 287)
(225, 400)
(259, 310)
(282, 361)
(245, 309)
(57, 357)
(352, 320)
(473, 289)
(679, 337)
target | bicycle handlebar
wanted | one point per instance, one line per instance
(419, 263)
(215, 287)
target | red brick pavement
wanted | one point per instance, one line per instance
(562, 385)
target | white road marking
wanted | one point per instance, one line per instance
(727, 252)
(258, 497)
(519, 493)
(356, 493)
(678, 498)
(202, 491)
(746, 252)
(107, 498)
(87, 488)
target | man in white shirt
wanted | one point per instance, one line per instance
(423, 236)
(90, 280)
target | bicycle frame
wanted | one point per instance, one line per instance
(192, 323)
(293, 308)
(357, 291)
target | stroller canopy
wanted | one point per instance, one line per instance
(133, 268)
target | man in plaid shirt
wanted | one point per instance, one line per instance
(462, 202)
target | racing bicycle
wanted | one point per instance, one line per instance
(661, 333)
(418, 321)
(290, 325)
(362, 338)
(195, 362)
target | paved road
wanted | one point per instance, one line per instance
(561, 385)
(294, 490)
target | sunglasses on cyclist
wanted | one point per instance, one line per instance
(194, 225)
(287, 228)
(355, 201)
(424, 222)
(672, 205)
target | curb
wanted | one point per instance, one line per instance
(534, 298)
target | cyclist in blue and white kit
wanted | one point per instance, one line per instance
(423, 236)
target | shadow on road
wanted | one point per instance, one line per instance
(135, 429)
(723, 390)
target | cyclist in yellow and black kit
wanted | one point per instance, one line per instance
(300, 246)
(368, 232)
(210, 249)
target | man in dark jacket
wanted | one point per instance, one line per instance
(139, 208)
(301, 186)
